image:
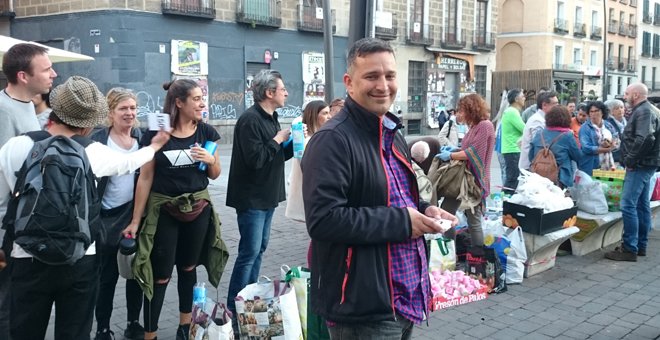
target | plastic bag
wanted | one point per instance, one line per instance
(515, 262)
(589, 194)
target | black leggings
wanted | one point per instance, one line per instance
(179, 243)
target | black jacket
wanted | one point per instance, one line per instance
(345, 191)
(641, 137)
(256, 172)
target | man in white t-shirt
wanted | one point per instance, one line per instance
(29, 72)
(544, 101)
(78, 107)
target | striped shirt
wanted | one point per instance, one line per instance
(409, 268)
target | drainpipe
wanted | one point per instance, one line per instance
(328, 52)
(605, 30)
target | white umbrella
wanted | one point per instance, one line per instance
(56, 55)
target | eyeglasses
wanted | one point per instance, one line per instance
(283, 89)
(595, 111)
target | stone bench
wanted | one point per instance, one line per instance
(599, 231)
(542, 249)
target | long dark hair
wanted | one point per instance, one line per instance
(311, 114)
(176, 89)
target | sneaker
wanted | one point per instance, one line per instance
(104, 334)
(134, 331)
(641, 252)
(182, 332)
(621, 254)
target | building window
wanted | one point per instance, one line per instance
(452, 17)
(480, 73)
(619, 85)
(414, 127)
(482, 15)
(578, 15)
(593, 58)
(416, 86)
(577, 56)
(646, 44)
(653, 87)
(643, 74)
(558, 57)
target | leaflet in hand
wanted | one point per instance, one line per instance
(158, 121)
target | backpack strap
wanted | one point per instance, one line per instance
(554, 140)
(38, 135)
(449, 130)
(84, 141)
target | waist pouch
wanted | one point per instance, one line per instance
(185, 210)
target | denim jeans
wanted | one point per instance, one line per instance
(254, 227)
(401, 329)
(512, 171)
(500, 159)
(635, 208)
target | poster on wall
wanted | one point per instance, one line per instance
(190, 58)
(313, 73)
(203, 83)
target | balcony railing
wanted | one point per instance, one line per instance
(647, 19)
(613, 26)
(200, 9)
(656, 20)
(651, 85)
(623, 63)
(259, 12)
(612, 63)
(420, 35)
(452, 38)
(596, 33)
(580, 30)
(623, 29)
(561, 26)
(483, 41)
(633, 3)
(388, 33)
(632, 31)
(625, 2)
(656, 52)
(632, 65)
(307, 20)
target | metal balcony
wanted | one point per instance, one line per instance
(199, 9)
(561, 26)
(623, 29)
(633, 3)
(656, 53)
(596, 33)
(625, 2)
(452, 38)
(656, 20)
(259, 13)
(647, 19)
(420, 35)
(388, 33)
(613, 26)
(646, 51)
(622, 63)
(611, 64)
(579, 30)
(483, 41)
(308, 21)
(632, 65)
(632, 31)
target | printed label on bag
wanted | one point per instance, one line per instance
(260, 318)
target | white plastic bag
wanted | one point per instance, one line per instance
(589, 194)
(515, 264)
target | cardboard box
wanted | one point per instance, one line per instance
(438, 302)
(534, 221)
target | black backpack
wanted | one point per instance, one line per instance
(53, 213)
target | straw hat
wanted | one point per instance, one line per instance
(79, 103)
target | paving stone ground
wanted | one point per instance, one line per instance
(585, 297)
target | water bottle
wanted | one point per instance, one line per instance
(209, 146)
(125, 255)
(497, 202)
(127, 245)
(199, 294)
(298, 139)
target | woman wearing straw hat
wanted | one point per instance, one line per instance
(78, 107)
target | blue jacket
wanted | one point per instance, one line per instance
(565, 150)
(590, 145)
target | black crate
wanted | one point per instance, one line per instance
(534, 221)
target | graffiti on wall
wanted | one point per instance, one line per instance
(225, 105)
(146, 103)
(289, 111)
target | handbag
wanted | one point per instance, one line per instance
(313, 325)
(185, 210)
(213, 326)
(268, 309)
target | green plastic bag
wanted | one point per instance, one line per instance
(314, 327)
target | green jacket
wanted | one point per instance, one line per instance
(214, 258)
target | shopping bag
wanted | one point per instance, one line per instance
(313, 326)
(268, 309)
(516, 257)
(213, 326)
(488, 270)
(589, 194)
(441, 252)
(655, 184)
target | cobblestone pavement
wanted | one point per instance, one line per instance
(580, 298)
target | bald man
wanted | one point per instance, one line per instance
(640, 150)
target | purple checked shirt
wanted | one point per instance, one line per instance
(410, 278)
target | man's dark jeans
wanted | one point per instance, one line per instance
(401, 329)
(512, 171)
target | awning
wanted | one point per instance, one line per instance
(56, 55)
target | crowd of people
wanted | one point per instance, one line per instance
(355, 188)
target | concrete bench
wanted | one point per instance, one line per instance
(599, 231)
(542, 249)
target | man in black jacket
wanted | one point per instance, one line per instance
(256, 176)
(640, 150)
(363, 212)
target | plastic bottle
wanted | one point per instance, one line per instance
(127, 249)
(298, 139)
(497, 201)
(210, 146)
(199, 294)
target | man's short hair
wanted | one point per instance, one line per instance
(366, 46)
(264, 81)
(512, 95)
(544, 97)
(19, 58)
